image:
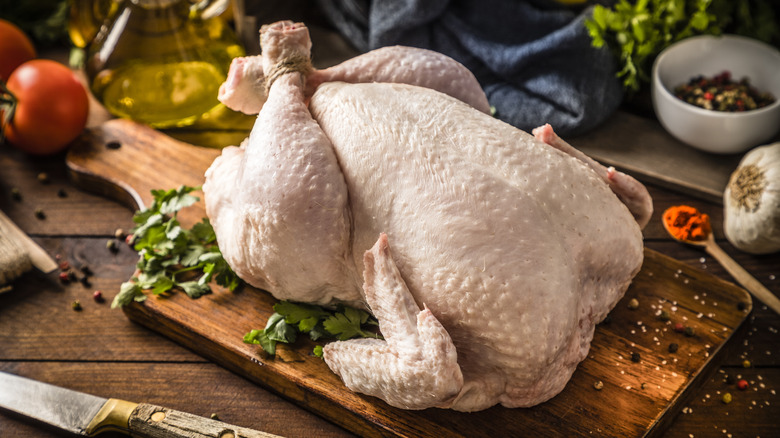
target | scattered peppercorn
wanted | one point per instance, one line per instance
(62, 193)
(85, 281)
(43, 177)
(633, 304)
(76, 305)
(727, 398)
(746, 364)
(598, 384)
(742, 384)
(64, 266)
(40, 214)
(72, 276)
(113, 145)
(643, 385)
(98, 296)
(679, 327)
(86, 271)
(741, 305)
(63, 276)
(130, 239)
(119, 233)
(689, 331)
(214, 417)
(673, 348)
(635, 357)
(111, 245)
(16, 194)
(664, 316)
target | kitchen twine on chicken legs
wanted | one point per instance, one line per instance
(295, 63)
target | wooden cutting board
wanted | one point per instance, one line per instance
(640, 394)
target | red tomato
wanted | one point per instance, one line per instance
(51, 107)
(15, 48)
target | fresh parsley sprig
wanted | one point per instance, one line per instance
(291, 319)
(636, 31)
(170, 255)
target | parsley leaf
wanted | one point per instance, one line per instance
(636, 31)
(290, 319)
(172, 257)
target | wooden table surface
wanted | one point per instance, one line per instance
(98, 350)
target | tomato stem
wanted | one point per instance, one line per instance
(7, 108)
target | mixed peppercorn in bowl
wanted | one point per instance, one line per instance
(718, 93)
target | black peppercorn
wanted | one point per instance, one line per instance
(635, 357)
(673, 347)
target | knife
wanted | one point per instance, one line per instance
(88, 415)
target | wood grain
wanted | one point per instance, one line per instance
(125, 160)
(638, 398)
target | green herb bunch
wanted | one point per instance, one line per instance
(636, 31)
(291, 319)
(170, 255)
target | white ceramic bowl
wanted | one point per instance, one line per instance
(717, 131)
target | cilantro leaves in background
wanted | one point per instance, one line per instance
(172, 257)
(636, 31)
(290, 319)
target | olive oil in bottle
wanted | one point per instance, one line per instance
(85, 18)
(160, 63)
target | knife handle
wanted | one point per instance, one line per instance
(150, 421)
(157, 422)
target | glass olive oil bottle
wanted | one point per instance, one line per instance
(160, 62)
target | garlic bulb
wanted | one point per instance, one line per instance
(752, 202)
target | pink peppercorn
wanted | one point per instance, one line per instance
(98, 296)
(742, 384)
(679, 327)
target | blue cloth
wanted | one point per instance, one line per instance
(533, 58)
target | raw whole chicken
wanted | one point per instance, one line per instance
(487, 254)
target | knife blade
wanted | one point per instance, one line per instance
(89, 415)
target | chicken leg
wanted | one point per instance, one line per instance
(288, 184)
